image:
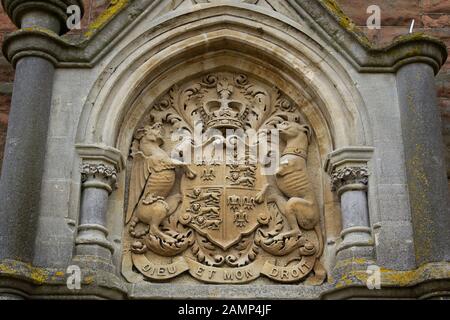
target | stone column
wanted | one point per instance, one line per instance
(99, 169)
(23, 162)
(349, 176)
(425, 162)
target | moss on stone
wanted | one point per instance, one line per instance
(39, 275)
(345, 21)
(395, 278)
(114, 8)
(7, 270)
(88, 280)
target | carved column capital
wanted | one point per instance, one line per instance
(100, 166)
(350, 178)
(98, 176)
(347, 168)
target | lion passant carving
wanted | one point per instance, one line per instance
(209, 206)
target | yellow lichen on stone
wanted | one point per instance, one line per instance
(39, 275)
(333, 6)
(344, 281)
(59, 274)
(390, 278)
(345, 21)
(354, 261)
(399, 278)
(114, 7)
(88, 280)
(5, 269)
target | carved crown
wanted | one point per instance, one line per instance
(224, 112)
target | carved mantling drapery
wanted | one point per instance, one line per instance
(208, 206)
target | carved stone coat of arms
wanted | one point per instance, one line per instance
(218, 187)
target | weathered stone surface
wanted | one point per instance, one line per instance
(231, 220)
(197, 229)
(25, 153)
(392, 26)
(436, 6)
(425, 167)
(393, 13)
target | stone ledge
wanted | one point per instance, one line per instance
(100, 154)
(30, 282)
(416, 48)
(23, 279)
(353, 272)
(40, 42)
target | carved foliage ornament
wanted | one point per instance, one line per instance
(98, 175)
(221, 221)
(349, 175)
(97, 169)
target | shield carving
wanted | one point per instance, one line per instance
(220, 203)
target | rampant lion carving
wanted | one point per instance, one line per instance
(152, 180)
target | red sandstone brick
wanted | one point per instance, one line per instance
(436, 6)
(93, 8)
(6, 71)
(5, 22)
(444, 105)
(393, 13)
(386, 35)
(5, 101)
(436, 20)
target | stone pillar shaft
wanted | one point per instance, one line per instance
(349, 175)
(355, 219)
(92, 231)
(94, 206)
(425, 164)
(354, 204)
(99, 169)
(40, 18)
(23, 163)
(98, 182)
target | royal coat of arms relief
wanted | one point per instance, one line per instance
(218, 187)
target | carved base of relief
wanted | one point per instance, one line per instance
(222, 221)
(290, 260)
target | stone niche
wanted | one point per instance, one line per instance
(225, 186)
